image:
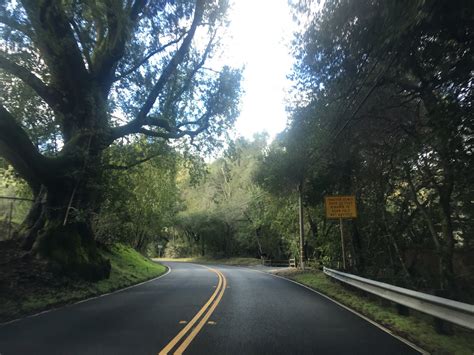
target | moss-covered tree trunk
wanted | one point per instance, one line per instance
(58, 227)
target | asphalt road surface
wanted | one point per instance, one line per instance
(202, 310)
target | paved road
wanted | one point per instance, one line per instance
(245, 312)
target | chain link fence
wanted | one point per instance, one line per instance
(12, 212)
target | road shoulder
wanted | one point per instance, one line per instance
(415, 330)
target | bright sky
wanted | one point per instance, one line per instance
(259, 35)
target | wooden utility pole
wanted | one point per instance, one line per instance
(300, 200)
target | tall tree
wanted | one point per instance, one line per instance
(385, 94)
(101, 71)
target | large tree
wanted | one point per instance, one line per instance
(385, 101)
(85, 74)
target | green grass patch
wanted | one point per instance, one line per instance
(237, 261)
(417, 327)
(128, 268)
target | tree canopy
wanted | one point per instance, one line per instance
(80, 76)
(384, 98)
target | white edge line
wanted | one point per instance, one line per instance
(87, 299)
(386, 330)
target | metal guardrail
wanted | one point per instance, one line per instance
(452, 311)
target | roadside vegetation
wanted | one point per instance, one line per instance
(109, 118)
(235, 261)
(416, 327)
(23, 296)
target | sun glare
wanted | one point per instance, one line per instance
(258, 39)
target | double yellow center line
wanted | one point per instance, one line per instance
(200, 318)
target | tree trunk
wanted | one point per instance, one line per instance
(444, 247)
(257, 238)
(447, 248)
(356, 246)
(313, 227)
(58, 227)
(393, 241)
(203, 250)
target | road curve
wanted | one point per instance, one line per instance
(231, 310)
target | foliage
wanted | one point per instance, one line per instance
(228, 214)
(134, 212)
(79, 77)
(383, 111)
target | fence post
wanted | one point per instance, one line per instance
(10, 217)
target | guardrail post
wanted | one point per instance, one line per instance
(441, 326)
(402, 310)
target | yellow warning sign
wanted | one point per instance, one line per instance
(340, 207)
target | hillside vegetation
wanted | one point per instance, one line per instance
(22, 296)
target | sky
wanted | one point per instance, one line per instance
(258, 38)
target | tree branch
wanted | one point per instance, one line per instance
(171, 132)
(136, 9)
(51, 96)
(135, 125)
(135, 163)
(157, 134)
(80, 36)
(147, 57)
(422, 208)
(57, 43)
(159, 122)
(202, 122)
(23, 28)
(112, 50)
(173, 64)
(193, 72)
(17, 149)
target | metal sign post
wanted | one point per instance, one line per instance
(339, 207)
(342, 245)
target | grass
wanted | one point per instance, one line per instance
(128, 268)
(237, 261)
(417, 327)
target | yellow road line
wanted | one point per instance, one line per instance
(183, 332)
(203, 321)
